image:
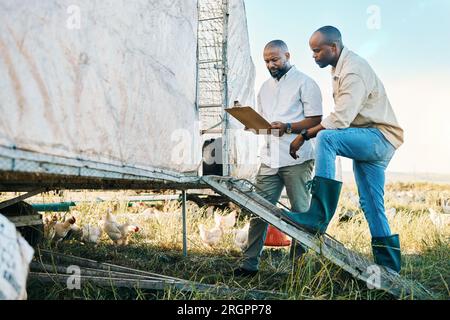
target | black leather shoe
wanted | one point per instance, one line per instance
(241, 272)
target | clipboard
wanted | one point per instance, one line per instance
(251, 119)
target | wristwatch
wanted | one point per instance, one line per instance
(304, 134)
(289, 128)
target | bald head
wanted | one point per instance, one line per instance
(330, 35)
(326, 44)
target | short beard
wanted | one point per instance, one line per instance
(280, 73)
(323, 64)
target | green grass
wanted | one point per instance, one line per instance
(158, 249)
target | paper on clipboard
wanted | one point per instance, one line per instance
(251, 119)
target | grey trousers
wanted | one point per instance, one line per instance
(294, 178)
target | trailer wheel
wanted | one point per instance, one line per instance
(33, 234)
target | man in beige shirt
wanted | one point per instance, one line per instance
(362, 127)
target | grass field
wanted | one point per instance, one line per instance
(158, 248)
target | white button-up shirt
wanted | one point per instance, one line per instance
(291, 99)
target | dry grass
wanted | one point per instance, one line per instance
(426, 251)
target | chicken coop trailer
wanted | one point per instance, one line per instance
(131, 95)
(99, 94)
(121, 95)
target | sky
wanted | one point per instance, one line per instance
(407, 42)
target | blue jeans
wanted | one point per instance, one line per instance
(371, 154)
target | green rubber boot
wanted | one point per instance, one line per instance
(324, 201)
(387, 253)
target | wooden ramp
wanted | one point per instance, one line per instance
(52, 267)
(243, 193)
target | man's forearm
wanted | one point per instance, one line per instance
(308, 123)
(313, 132)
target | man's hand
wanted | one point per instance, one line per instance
(251, 130)
(278, 129)
(295, 146)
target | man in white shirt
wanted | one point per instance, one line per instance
(288, 97)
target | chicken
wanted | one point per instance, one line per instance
(354, 200)
(149, 214)
(91, 234)
(210, 237)
(137, 207)
(406, 198)
(63, 228)
(49, 227)
(347, 215)
(446, 206)
(234, 207)
(391, 213)
(209, 211)
(118, 233)
(439, 220)
(75, 232)
(226, 222)
(241, 236)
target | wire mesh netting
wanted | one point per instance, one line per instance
(211, 61)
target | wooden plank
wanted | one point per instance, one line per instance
(83, 262)
(59, 269)
(159, 285)
(27, 195)
(25, 221)
(96, 269)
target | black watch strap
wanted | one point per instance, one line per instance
(304, 134)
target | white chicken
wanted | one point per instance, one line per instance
(354, 199)
(439, 220)
(75, 232)
(225, 222)
(209, 211)
(405, 198)
(149, 214)
(234, 207)
(63, 228)
(118, 233)
(446, 206)
(391, 213)
(241, 236)
(91, 234)
(210, 237)
(137, 207)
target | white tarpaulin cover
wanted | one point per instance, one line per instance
(241, 80)
(15, 258)
(109, 81)
(114, 81)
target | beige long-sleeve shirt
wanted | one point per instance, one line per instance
(361, 100)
